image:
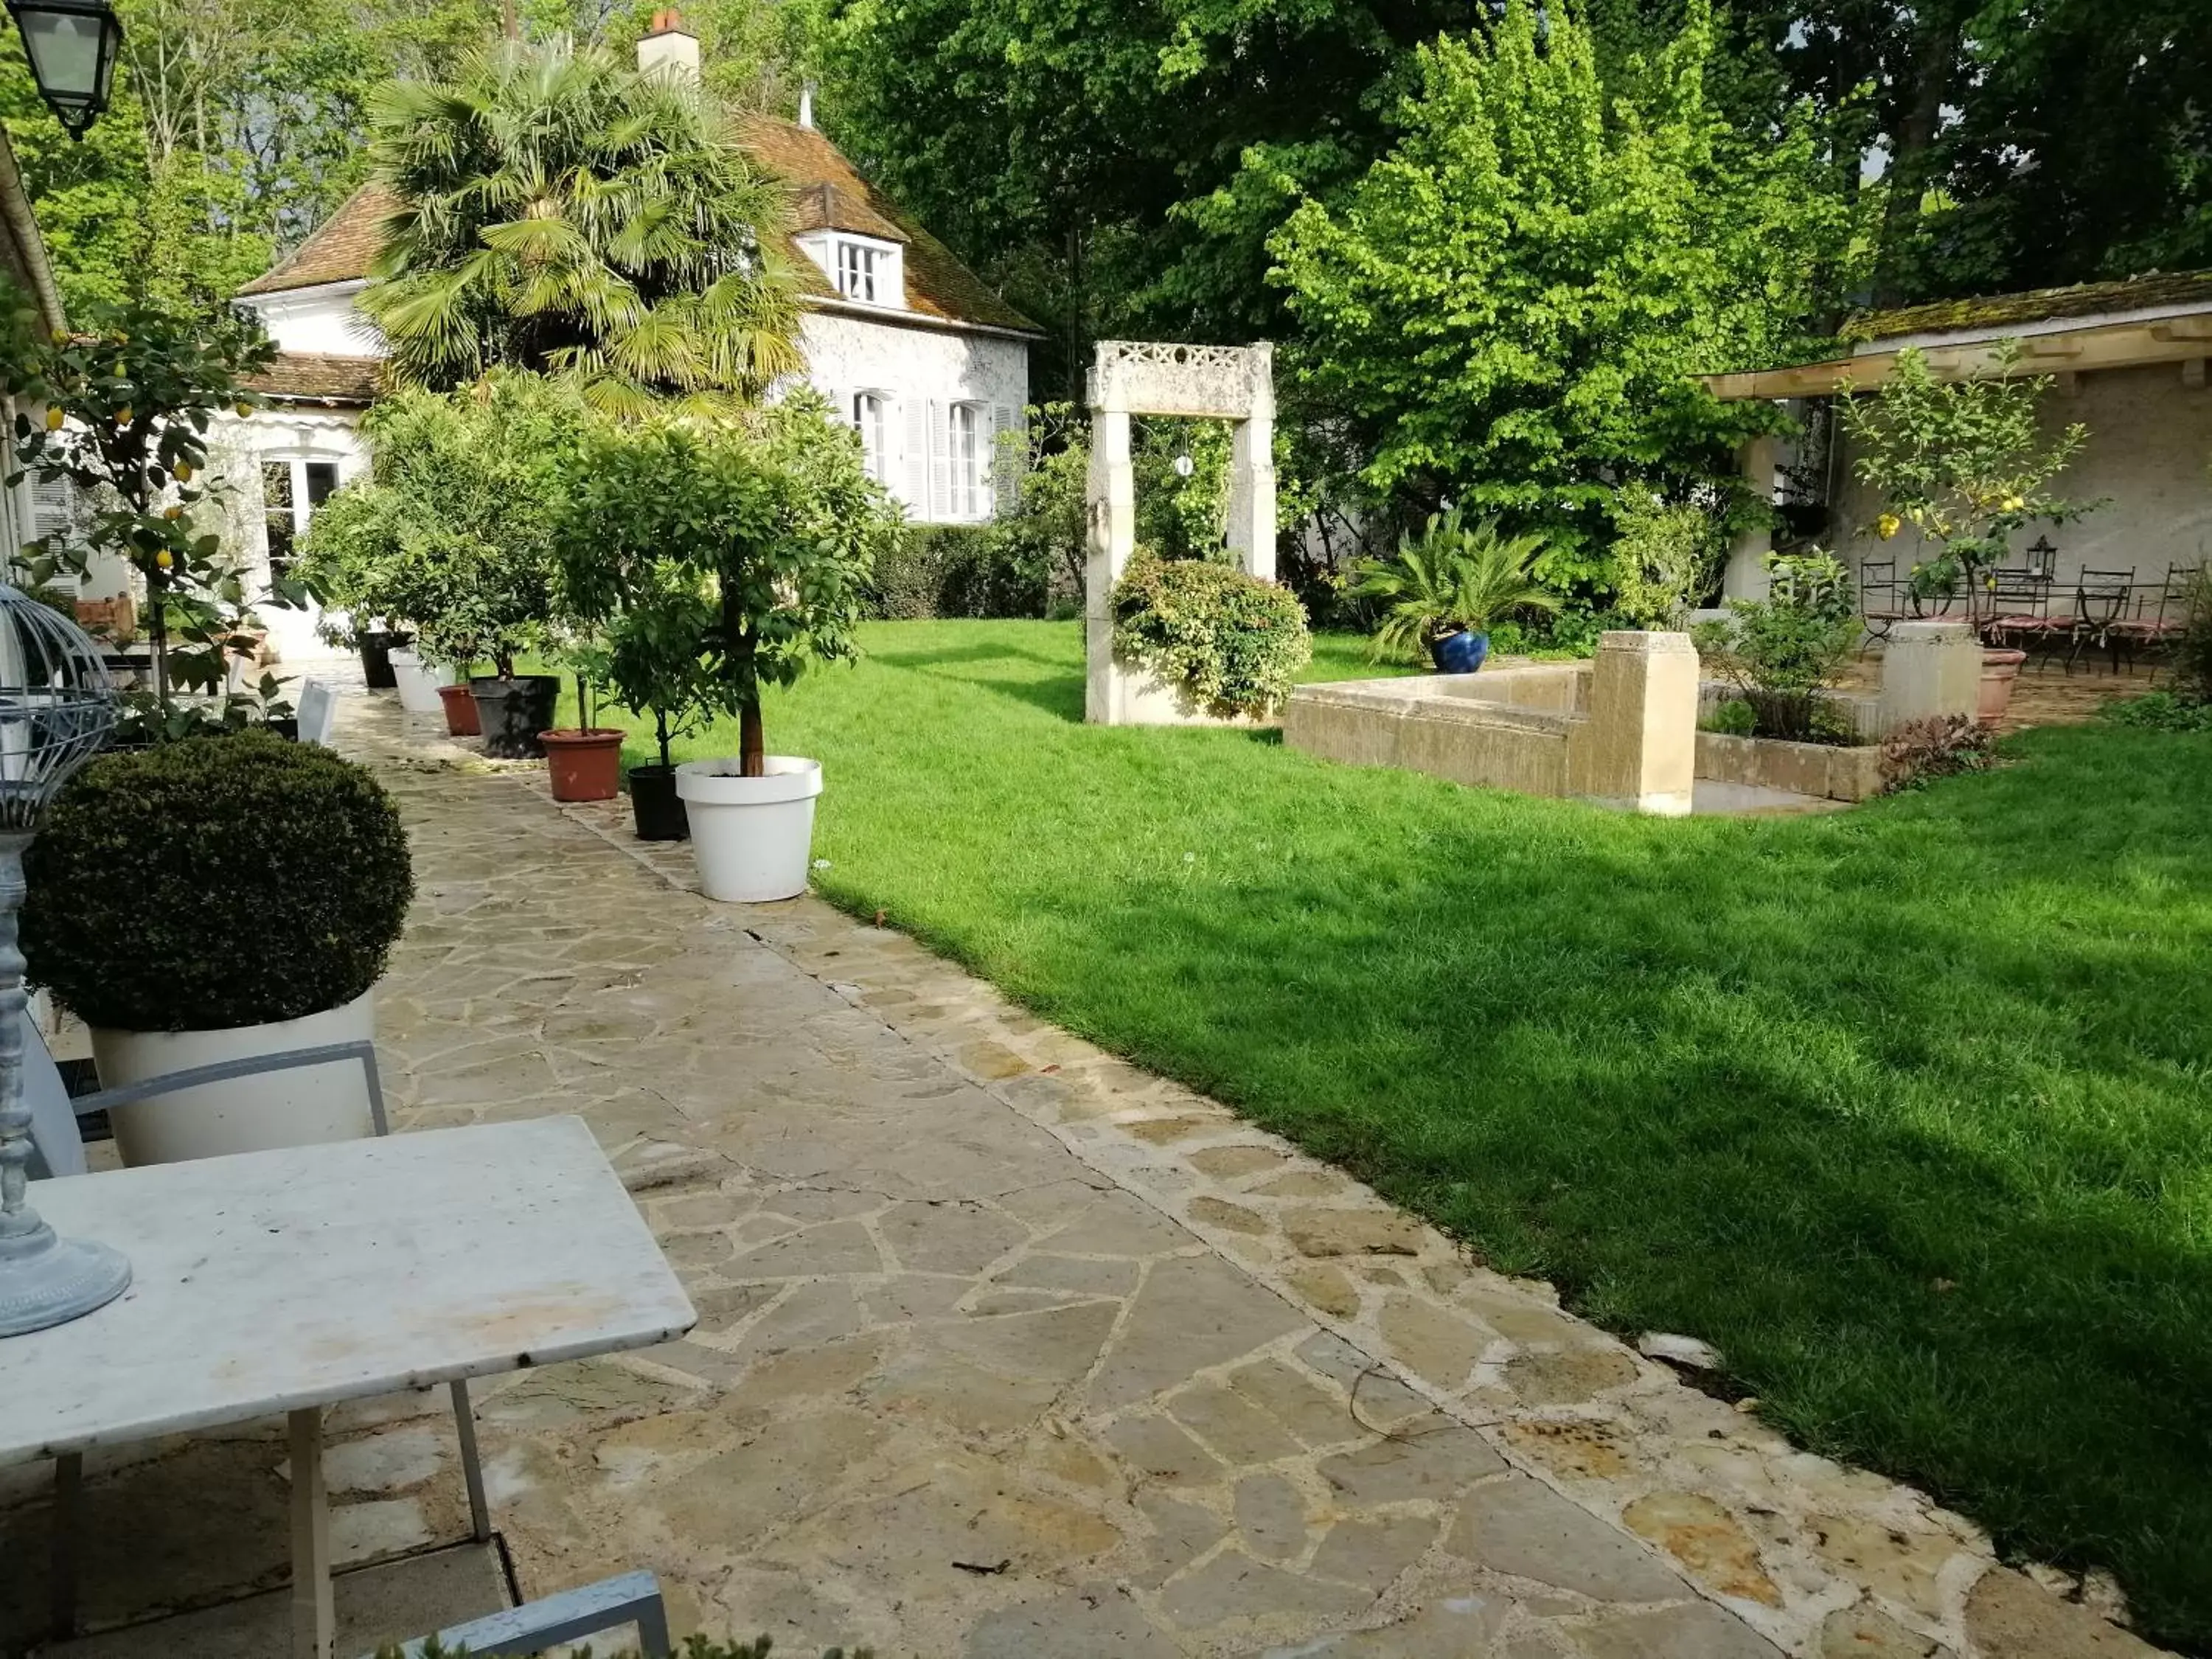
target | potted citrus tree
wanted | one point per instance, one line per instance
(213, 899)
(1448, 586)
(773, 523)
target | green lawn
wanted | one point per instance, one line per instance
(1907, 1109)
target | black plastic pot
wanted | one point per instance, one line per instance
(513, 712)
(376, 648)
(654, 806)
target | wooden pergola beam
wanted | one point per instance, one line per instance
(2074, 350)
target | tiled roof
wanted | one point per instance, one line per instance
(319, 377)
(341, 248)
(1996, 311)
(828, 194)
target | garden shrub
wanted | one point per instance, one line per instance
(971, 570)
(1233, 641)
(1735, 717)
(1781, 651)
(214, 881)
(2161, 711)
(1940, 746)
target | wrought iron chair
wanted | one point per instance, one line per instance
(2158, 614)
(2102, 600)
(2017, 612)
(1883, 601)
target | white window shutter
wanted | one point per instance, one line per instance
(53, 502)
(1006, 457)
(940, 461)
(917, 456)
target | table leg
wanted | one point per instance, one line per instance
(69, 1489)
(464, 1425)
(314, 1619)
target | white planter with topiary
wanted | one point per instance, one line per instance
(418, 682)
(216, 899)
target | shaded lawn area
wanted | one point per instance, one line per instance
(1907, 1108)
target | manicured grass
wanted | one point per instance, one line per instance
(1907, 1109)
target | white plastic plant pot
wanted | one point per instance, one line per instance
(418, 682)
(300, 1107)
(751, 836)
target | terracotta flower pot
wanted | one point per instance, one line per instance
(460, 712)
(583, 763)
(1999, 670)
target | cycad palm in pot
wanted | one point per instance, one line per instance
(1448, 588)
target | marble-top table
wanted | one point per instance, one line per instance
(289, 1281)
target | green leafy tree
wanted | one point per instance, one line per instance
(744, 548)
(1963, 462)
(129, 399)
(452, 533)
(1781, 652)
(558, 210)
(1510, 308)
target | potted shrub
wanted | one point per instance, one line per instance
(583, 761)
(1229, 642)
(654, 612)
(1965, 463)
(775, 524)
(1448, 586)
(216, 898)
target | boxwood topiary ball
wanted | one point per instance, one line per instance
(214, 882)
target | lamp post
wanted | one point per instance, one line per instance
(72, 45)
(56, 707)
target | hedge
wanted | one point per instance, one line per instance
(956, 570)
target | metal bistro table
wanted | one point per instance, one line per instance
(289, 1281)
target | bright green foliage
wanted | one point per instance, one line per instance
(1782, 650)
(155, 868)
(957, 570)
(745, 548)
(139, 387)
(560, 210)
(1963, 462)
(1233, 642)
(2161, 711)
(1509, 306)
(1665, 557)
(452, 533)
(1453, 575)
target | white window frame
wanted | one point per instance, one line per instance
(857, 270)
(871, 418)
(968, 449)
(302, 509)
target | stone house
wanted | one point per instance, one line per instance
(2127, 359)
(907, 343)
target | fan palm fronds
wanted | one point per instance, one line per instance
(558, 210)
(1453, 575)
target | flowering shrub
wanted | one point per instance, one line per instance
(1233, 641)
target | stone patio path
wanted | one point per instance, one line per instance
(1010, 1350)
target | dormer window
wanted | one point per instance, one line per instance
(862, 269)
(856, 270)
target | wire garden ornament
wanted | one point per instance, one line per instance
(57, 707)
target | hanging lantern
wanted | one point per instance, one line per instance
(72, 45)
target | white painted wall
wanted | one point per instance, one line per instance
(923, 372)
(2149, 452)
(323, 320)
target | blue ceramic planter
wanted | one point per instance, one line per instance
(1460, 653)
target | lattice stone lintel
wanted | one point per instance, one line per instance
(1158, 377)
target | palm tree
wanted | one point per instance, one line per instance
(1452, 576)
(554, 210)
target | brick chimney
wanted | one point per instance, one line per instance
(669, 49)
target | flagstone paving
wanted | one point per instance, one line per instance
(1009, 1350)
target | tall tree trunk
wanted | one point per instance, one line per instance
(1075, 354)
(510, 26)
(1935, 58)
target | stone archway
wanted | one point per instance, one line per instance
(1137, 377)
